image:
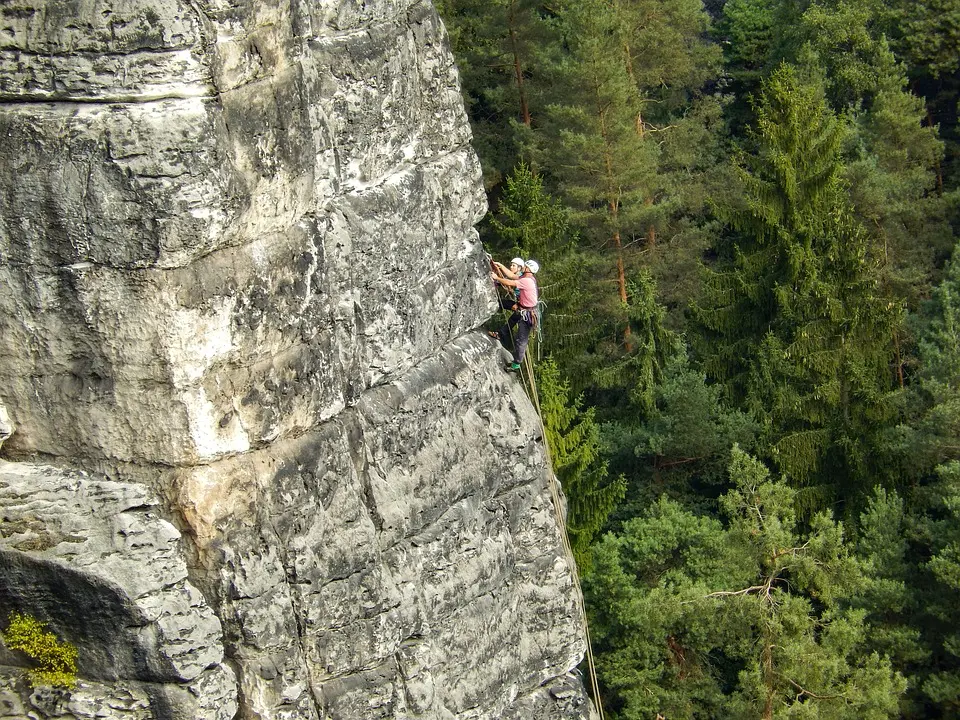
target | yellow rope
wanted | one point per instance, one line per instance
(561, 521)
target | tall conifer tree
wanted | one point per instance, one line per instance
(573, 437)
(499, 46)
(795, 323)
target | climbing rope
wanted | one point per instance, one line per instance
(561, 521)
(553, 483)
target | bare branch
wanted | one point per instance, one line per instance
(804, 691)
(745, 591)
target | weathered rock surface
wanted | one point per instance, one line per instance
(238, 279)
(6, 426)
(95, 559)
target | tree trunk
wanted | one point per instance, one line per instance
(652, 230)
(621, 276)
(899, 356)
(613, 206)
(939, 171)
(638, 126)
(517, 68)
(768, 681)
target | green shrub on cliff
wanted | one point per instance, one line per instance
(56, 661)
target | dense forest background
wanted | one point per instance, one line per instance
(745, 213)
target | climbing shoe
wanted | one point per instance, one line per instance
(494, 334)
(513, 367)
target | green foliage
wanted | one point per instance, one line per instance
(56, 660)
(940, 343)
(893, 153)
(500, 47)
(832, 221)
(796, 323)
(929, 435)
(751, 31)
(893, 159)
(640, 369)
(605, 167)
(893, 187)
(927, 34)
(941, 529)
(530, 222)
(696, 620)
(890, 593)
(680, 447)
(574, 441)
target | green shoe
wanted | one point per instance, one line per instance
(513, 367)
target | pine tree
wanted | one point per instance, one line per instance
(653, 345)
(893, 154)
(925, 35)
(529, 221)
(604, 166)
(912, 548)
(619, 94)
(692, 619)
(499, 46)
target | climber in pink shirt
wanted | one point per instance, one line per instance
(525, 318)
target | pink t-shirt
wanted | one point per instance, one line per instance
(528, 291)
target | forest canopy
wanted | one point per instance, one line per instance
(746, 213)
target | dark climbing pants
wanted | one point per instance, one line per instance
(521, 335)
(521, 338)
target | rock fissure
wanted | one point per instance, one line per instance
(54, 99)
(135, 52)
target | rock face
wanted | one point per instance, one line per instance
(95, 558)
(281, 476)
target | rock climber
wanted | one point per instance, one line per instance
(524, 316)
(513, 273)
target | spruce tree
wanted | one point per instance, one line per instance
(893, 592)
(928, 435)
(942, 529)
(795, 323)
(573, 438)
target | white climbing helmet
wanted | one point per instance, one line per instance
(517, 261)
(533, 266)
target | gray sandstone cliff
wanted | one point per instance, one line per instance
(261, 465)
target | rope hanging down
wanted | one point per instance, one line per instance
(527, 373)
(567, 549)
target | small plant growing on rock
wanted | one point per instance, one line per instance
(56, 661)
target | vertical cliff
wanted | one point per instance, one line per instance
(264, 467)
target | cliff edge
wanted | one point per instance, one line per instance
(261, 465)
